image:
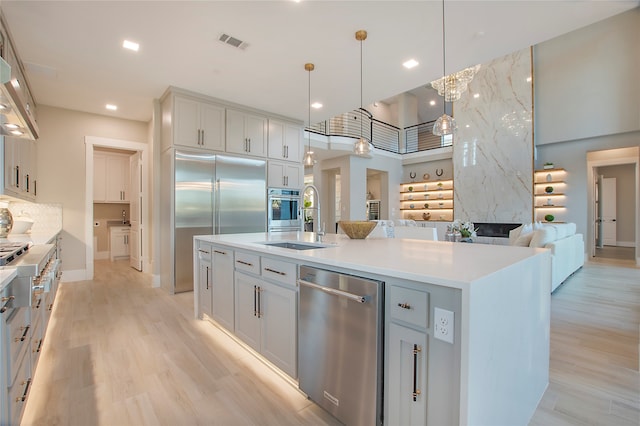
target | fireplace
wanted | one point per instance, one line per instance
(495, 230)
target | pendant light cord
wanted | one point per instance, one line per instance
(309, 107)
(361, 115)
(444, 69)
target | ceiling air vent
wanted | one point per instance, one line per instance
(232, 41)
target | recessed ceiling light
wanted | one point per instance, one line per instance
(11, 126)
(316, 105)
(410, 63)
(476, 95)
(528, 79)
(432, 103)
(111, 107)
(131, 45)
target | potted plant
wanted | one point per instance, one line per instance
(548, 189)
(410, 188)
(549, 217)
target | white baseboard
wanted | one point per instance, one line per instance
(101, 255)
(74, 275)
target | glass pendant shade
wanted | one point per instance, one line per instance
(445, 125)
(363, 147)
(308, 159)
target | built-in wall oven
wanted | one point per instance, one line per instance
(283, 210)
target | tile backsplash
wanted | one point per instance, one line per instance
(47, 218)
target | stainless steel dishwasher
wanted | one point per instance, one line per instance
(340, 344)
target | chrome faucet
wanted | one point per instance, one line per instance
(316, 206)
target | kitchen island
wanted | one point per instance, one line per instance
(490, 366)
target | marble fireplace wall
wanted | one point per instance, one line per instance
(493, 148)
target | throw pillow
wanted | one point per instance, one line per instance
(543, 236)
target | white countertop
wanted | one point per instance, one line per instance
(455, 265)
(33, 237)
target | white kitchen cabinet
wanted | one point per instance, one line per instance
(285, 141)
(266, 313)
(198, 124)
(246, 133)
(119, 242)
(20, 171)
(204, 279)
(281, 174)
(222, 308)
(406, 394)
(111, 178)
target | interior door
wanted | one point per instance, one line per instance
(608, 200)
(135, 216)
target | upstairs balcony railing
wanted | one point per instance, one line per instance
(382, 135)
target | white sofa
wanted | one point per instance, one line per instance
(567, 247)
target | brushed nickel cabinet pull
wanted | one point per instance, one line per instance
(207, 278)
(220, 252)
(255, 300)
(416, 350)
(203, 251)
(24, 334)
(259, 290)
(6, 305)
(244, 263)
(274, 271)
(26, 391)
(404, 305)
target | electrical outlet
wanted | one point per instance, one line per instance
(443, 325)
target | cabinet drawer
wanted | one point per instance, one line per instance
(247, 262)
(204, 252)
(19, 338)
(280, 271)
(18, 392)
(410, 306)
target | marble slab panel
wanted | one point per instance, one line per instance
(493, 148)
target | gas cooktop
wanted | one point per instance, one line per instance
(9, 251)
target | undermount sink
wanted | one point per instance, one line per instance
(294, 245)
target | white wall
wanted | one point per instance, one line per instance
(61, 167)
(586, 82)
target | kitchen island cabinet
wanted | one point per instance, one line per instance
(494, 346)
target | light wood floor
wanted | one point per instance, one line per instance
(119, 352)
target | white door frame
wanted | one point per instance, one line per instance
(592, 165)
(90, 143)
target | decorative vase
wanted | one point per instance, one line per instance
(548, 189)
(6, 220)
(466, 240)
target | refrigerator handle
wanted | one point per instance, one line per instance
(216, 207)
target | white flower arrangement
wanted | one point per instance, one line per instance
(466, 229)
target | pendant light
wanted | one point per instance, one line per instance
(362, 146)
(445, 124)
(309, 159)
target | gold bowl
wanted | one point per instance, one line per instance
(357, 229)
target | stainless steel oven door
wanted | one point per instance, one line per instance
(283, 210)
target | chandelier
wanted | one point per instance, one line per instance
(454, 85)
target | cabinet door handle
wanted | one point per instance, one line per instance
(404, 305)
(259, 300)
(220, 252)
(244, 263)
(249, 141)
(24, 335)
(275, 272)
(17, 176)
(26, 391)
(35, 187)
(203, 251)
(255, 300)
(207, 278)
(27, 181)
(202, 137)
(286, 151)
(6, 305)
(416, 350)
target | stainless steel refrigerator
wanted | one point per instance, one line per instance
(214, 194)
